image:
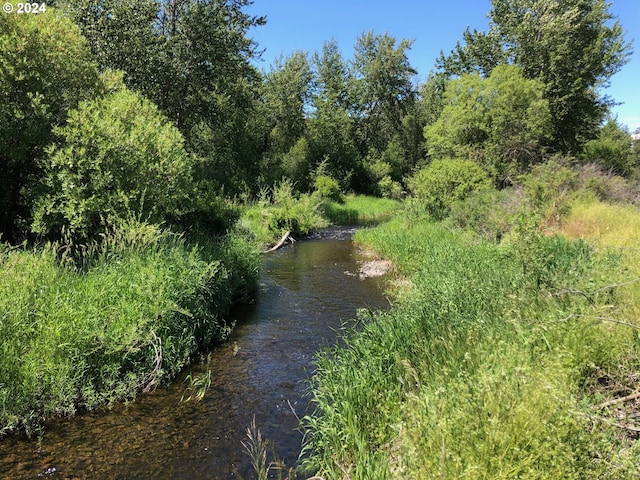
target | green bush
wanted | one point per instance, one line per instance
(550, 186)
(118, 156)
(328, 188)
(46, 69)
(489, 213)
(437, 186)
(281, 210)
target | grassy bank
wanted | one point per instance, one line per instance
(117, 317)
(359, 209)
(492, 367)
(280, 210)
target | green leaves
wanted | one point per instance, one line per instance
(443, 182)
(573, 47)
(501, 121)
(118, 157)
(45, 70)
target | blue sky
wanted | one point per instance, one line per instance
(434, 25)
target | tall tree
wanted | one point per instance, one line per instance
(191, 58)
(573, 47)
(330, 126)
(281, 120)
(383, 91)
(286, 98)
(45, 70)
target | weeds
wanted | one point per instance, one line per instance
(121, 316)
(258, 450)
(279, 210)
(198, 386)
(484, 369)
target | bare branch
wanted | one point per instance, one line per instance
(615, 401)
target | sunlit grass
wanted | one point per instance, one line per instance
(360, 209)
(122, 316)
(610, 225)
(484, 370)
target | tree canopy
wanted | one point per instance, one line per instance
(506, 99)
(500, 121)
(573, 47)
(46, 69)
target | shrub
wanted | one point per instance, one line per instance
(328, 188)
(279, 210)
(118, 155)
(550, 187)
(488, 212)
(606, 186)
(442, 182)
(46, 68)
(611, 150)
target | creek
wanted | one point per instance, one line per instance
(307, 292)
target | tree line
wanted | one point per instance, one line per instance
(155, 108)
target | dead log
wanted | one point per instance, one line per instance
(286, 237)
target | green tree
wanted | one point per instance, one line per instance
(573, 47)
(500, 121)
(117, 156)
(331, 127)
(613, 149)
(286, 94)
(45, 70)
(193, 59)
(382, 91)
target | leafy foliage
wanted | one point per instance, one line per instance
(572, 47)
(45, 70)
(501, 121)
(328, 188)
(192, 59)
(118, 156)
(441, 183)
(612, 149)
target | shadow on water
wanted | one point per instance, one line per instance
(307, 292)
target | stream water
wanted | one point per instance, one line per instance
(307, 292)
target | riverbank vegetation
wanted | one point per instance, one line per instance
(508, 355)
(88, 326)
(142, 177)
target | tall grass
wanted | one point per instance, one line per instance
(278, 210)
(480, 372)
(358, 209)
(122, 315)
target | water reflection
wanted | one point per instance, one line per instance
(307, 291)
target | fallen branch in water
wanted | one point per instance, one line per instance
(286, 237)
